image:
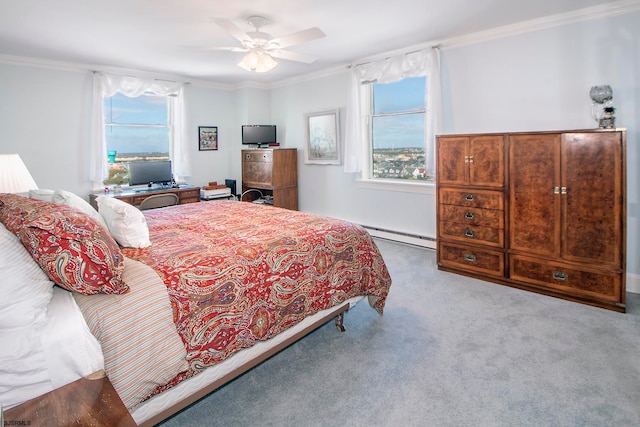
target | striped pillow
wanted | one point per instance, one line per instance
(142, 349)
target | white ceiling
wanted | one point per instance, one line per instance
(160, 35)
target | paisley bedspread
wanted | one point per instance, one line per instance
(238, 273)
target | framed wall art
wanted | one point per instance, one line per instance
(323, 138)
(207, 138)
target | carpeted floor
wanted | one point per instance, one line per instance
(449, 351)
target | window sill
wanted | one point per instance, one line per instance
(406, 187)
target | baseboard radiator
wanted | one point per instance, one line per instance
(399, 236)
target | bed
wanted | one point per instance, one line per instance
(180, 300)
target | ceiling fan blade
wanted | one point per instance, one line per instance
(228, 49)
(232, 29)
(292, 56)
(297, 38)
(216, 48)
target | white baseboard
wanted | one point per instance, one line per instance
(633, 283)
(396, 236)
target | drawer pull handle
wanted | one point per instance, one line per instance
(469, 197)
(468, 215)
(560, 275)
(469, 233)
(470, 257)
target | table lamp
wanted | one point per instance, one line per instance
(601, 105)
(14, 176)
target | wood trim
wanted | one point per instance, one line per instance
(90, 401)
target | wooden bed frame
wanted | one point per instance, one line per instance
(93, 401)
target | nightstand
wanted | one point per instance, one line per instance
(84, 402)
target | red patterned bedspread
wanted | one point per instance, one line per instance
(238, 272)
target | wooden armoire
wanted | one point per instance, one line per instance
(541, 211)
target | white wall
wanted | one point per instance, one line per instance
(212, 107)
(44, 116)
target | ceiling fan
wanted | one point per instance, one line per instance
(262, 47)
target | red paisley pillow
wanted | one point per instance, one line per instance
(16, 210)
(75, 251)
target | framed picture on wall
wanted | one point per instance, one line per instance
(207, 138)
(323, 138)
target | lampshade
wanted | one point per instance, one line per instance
(14, 176)
(257, 61)
(601, 94)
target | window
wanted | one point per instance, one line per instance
(136, 129)
(398, 130)
(394, 113)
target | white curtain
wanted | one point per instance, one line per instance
(107, 85)
(425, 62)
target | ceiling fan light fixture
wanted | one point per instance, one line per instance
(258, 62)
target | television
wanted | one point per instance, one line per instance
(150, 172)
(258, 134)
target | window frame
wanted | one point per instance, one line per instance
(169, 126)
(366, 178)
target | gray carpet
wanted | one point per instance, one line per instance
(449, 351)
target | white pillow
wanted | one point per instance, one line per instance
(25, 290)
(67, 198)
(42, 194)
(125, 222)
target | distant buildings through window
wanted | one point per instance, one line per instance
(398, 130)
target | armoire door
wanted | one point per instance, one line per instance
(471, 160)
(591, 187)
(486, 161)
(453, 161)
(534, 199)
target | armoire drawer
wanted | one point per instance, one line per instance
(485, 199)
(471, 233)
(472, 216)
(603, 285)
(467, 258)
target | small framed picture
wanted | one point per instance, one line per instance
(323, 138)
(207, 138)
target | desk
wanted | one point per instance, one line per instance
(186, 194)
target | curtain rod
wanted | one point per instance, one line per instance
(138, 77)
(435, 46)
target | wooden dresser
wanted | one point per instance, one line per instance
(273, 172)
(542, 211)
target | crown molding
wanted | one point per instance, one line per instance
(310, 76)
(590, 13)
(83, 68)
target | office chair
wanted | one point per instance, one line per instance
(158, 201)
